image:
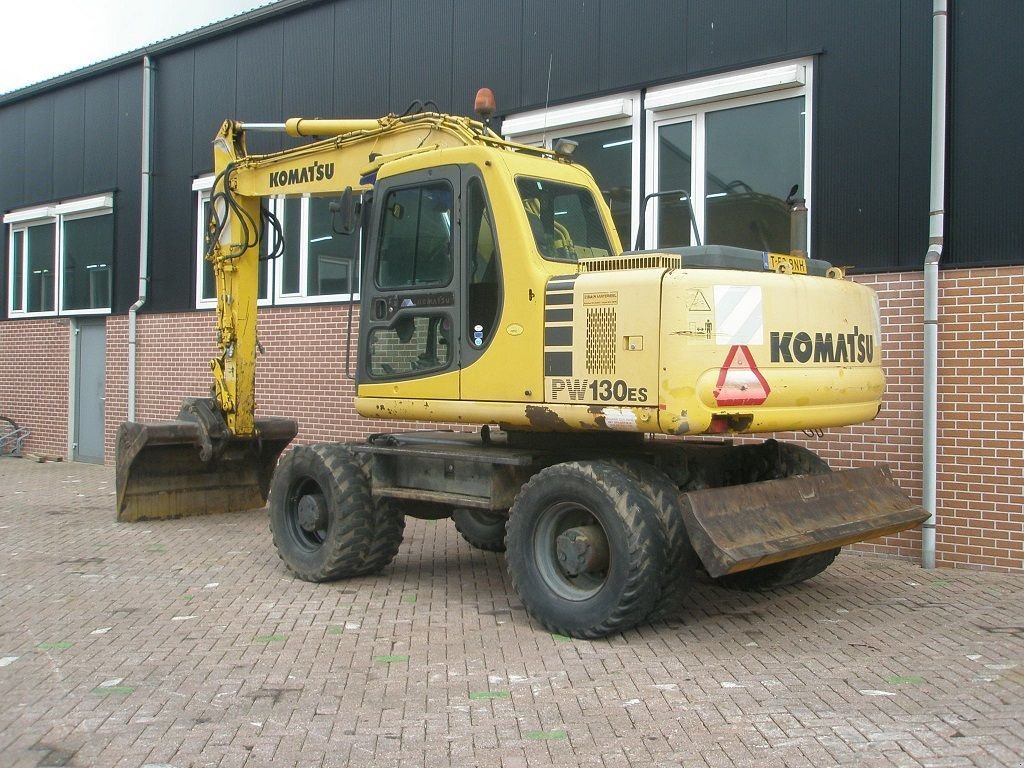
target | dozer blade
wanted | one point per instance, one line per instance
(194, 466)
(745, 526)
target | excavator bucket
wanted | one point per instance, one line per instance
(746, 526)
(194, 466)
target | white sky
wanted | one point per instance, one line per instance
(47, 38)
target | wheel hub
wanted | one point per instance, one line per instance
(311, 512)
(583, 549)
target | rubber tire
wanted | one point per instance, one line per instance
(345, 546)
(681, 560)
(483, 529)
(387, 524)
(778, 575)
(796, 460)
(637, 547)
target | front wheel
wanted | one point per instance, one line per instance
(321, 513)
(586, 551)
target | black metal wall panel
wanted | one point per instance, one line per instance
(725, 33)
(421, 53)
(102, 119)
(642, 42)
(128, 187)
(561, 37)
(308, 76)
(69, 142)
(172, 250)
(213, 97)
(488, 40)
(259, 96)
(986, 163)
(12, 157)
(855, 193)
(39, 139)
(914, 137)
(362, 44)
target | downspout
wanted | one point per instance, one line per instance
(936, 223)
(147, 143)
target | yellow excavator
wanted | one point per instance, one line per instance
(494, 291)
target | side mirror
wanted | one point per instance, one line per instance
(345, 213)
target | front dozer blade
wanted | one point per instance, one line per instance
(194, 466)
(745, 526)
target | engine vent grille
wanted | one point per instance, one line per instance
(630, 261)
(602, 330)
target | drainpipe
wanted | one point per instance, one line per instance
(931, 277)
(147, 143)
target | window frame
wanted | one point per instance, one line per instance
(674, 103)
(275, 295)
(302, 296)
(22, 220)
(693, 100)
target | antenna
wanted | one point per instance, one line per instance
(547, 99)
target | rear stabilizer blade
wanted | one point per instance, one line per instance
(745, 526)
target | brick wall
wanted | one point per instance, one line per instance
(34, 382)
(979, 497)
(302, 374)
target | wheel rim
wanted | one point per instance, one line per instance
(306, 515)
(571, 551)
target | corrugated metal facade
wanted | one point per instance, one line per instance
(367, 57)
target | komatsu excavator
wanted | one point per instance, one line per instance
(494, 291)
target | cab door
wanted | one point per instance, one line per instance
(409, 324)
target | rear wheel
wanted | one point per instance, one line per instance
(793, 460)
(586, 552)
(680, 558)
(482, 528)
(778, 575)
(323, 520)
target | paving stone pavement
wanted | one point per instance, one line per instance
(185, 643)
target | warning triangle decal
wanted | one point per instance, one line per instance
(699, 303)
(739, 381)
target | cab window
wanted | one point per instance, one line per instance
(564, 220)
(416, 237)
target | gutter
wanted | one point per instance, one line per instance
(936, 227)
(147, 175)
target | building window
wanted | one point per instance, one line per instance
(735, 146)
(61, 257)
(738, 147)
(317, 263)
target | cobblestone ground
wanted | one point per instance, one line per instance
(185, 643)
